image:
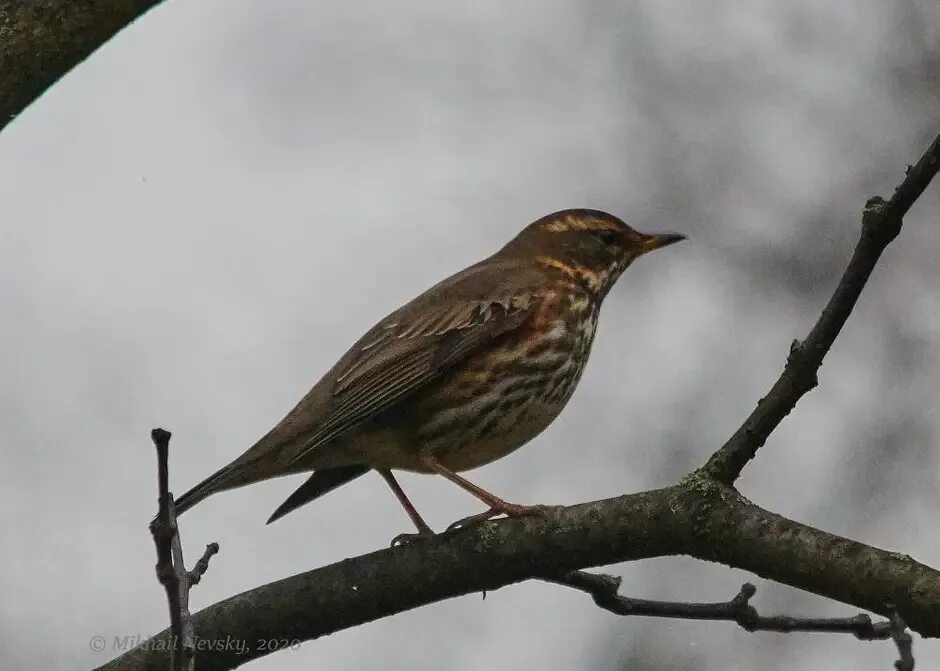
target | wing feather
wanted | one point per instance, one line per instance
(400, 355)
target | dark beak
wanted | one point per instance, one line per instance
(659, 240)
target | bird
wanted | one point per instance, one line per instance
(462, 375)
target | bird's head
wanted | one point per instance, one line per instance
(590, 246)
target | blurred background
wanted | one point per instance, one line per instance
(201, 218)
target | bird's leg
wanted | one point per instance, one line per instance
(424, 531)
(497, 505)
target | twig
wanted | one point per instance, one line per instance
(881, 222)
(165, 536)
(902, 638)
(171, 569)
(202, 565)
(604, 590)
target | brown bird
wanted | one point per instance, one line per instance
(464, 374)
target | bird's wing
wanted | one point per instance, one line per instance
(414, 345)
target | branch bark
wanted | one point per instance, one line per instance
(881, 223)
(703, 516)
(41, 40)
(699, 518)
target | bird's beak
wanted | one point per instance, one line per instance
(658, 240)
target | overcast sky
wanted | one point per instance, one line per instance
(201, 218)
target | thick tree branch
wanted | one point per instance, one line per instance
(881, 223)
(603, 589)
(41, 40)
(699, 518)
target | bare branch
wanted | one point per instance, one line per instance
(603, 589)
(881, 222)
(699, 518)
(41, 40)
(166, 538)
(171, 568)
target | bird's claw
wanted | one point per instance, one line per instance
(508, 509)
(516, 510)
(465, 522)
(407, 539)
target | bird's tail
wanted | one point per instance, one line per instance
(319, 483)
(228, 477)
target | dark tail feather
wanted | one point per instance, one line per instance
(318, 484)
(214, 483)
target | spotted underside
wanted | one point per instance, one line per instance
(498, 399)
(514, 390)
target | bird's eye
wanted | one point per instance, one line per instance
(608, 237)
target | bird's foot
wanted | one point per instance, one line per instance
(507, 509)
(470, 521)
(517, 510)
(407, 539)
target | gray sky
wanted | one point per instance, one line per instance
(202, 217)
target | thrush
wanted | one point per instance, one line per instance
(467, 372)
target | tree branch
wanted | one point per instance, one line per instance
(171, 568)
(699, 518)
(41, 40)
(881, 222)
(603, 589)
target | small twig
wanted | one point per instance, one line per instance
(604, 590)
(202, 565)
(171, 568)
(165, 537)
(902, 638)
(881, 222)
